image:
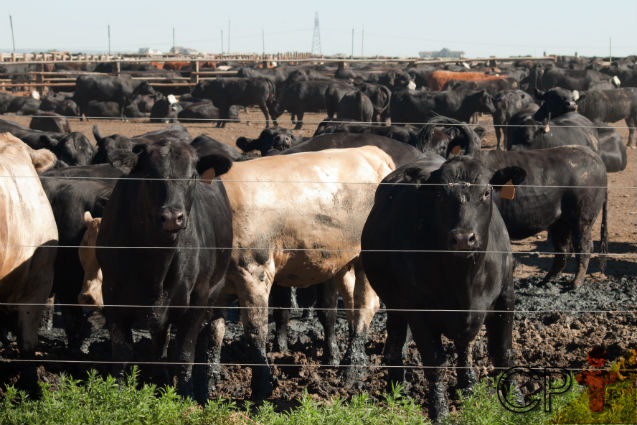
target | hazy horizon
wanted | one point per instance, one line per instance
(399, 28)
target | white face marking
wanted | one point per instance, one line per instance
(411, 85)
(616, 81)
(171, 99)
(35, 94)
(575, 95)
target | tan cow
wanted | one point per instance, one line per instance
(28, 237)
(297, 221)
(91, 292)
(437, 79)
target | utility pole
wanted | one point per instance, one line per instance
(109, 40)
(352, 42)
(12, 35)
(221, 41)
(362, 40)
(228, 35)
(610, 49)
(263, 41)
(174, 49)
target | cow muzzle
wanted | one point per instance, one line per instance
(172, 220)
(463, 241)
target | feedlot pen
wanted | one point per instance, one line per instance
(554, 326)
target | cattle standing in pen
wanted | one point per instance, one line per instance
(173, 235)
(437, 243)
(28, 240)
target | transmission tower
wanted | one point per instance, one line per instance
(316, 37)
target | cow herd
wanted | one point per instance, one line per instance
(174, 231)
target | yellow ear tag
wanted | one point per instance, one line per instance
(208, 175)
(547, 128)
(456, 150)
(507, 191)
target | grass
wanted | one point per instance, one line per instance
(98, 400)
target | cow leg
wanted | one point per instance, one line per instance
(327, 305)
(365, 305)
(264, 109)
(560, 235)
(631, 122)
(299, 120)
(395, 349)
(121, 341)
(466, 374)
(281, 296)
(583, 244)
(160, 337)
(433, 359)
(255, 327)
(28, 323)
(498, 136)
(189, 328)
(499, 328)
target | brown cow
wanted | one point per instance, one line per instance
(28, 237)
(297, 221)
(91, 293)
(437, 79)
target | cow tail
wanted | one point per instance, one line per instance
(603, 245)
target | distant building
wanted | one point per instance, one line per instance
(442, 53)
(149, 51)
(178, 50)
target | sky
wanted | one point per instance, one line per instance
(389, 27)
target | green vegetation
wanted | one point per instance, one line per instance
(98, 400)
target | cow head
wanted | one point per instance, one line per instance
(75, 149)
(270, 139)
(557, 101)
(169, 171)
(110, 145)
(461, 193)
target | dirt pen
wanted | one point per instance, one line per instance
(554, 325)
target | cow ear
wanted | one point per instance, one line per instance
(48, 141)
(214, 165)
(480, 131)
(98, 137)
(244, 144)
(139, 148)
(42, 159)
(508, 176)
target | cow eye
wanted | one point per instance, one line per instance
(486, 194)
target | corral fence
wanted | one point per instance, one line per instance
(192, 68)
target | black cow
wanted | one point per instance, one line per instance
(71, 149)
(120, 90)
(50, 121)
(333, 95)
(445, 136)
(406, 134)
(205, 145)
(380, 96)
(450, 250)
(225, 92)
(24, 105)
(611, 106)
(108, 148)
(611, 148)
(180, 213)
(198, 112)
(507, 103)
(5, 101)
(300, 97)
(568, 210)
(70, 196)
(555, 102)
(409, 106)
(545, 77)
(278, 139)
(492, 86)
(355, 105)
(103, 109)
(165, 109)
(60, 103)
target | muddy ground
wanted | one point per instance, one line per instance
(554, 327)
